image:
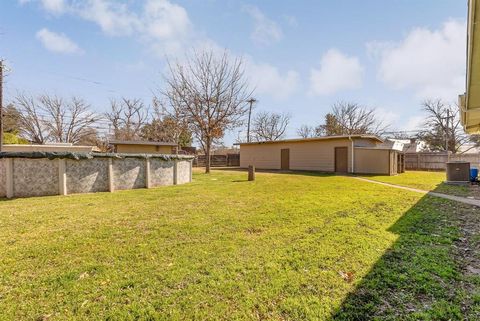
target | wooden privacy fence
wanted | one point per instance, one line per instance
(473, 159)
(218, 160)
(436, 161)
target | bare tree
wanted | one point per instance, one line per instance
(269, 126)
(209, 93)
(442, 127)
(31, 123)
(127, 117)
(71, 121)
(52, 119)
(306, 131)
(352, 119)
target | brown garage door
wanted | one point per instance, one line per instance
(341, 159)
(285, 159)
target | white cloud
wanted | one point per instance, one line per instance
(112, 17)
(266, 31)
(414, 122)
(165, 20)
(163, 26)
(387, 116)
(167, 26)
(430, 62)
(268, 80)
(54, 6)
(57, 42)
(337, 72)
(51, 6)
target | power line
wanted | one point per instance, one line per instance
(404, 131)
(106, 86)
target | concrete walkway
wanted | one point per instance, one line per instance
(460, 199)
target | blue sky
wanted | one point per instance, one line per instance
(302, 56)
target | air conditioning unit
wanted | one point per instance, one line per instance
(458, 172)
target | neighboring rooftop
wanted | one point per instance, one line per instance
(405, 145)
(56, 147)
(140, 142)
(313, 139)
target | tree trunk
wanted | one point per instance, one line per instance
(207, 156)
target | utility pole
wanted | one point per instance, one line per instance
(1, 105)
(446, 131)
(250, 101)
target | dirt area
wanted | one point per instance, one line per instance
(467, 250)
(474, 191)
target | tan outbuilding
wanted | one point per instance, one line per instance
(342, 154)
(142, 147)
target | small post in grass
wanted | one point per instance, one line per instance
(251, 173)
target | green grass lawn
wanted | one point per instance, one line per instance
(427, 181)
(285, 247)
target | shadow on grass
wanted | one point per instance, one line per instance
(277, 171)
(454, 189)
(422, 276)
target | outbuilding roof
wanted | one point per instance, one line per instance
(314, 139)
(139, 142)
